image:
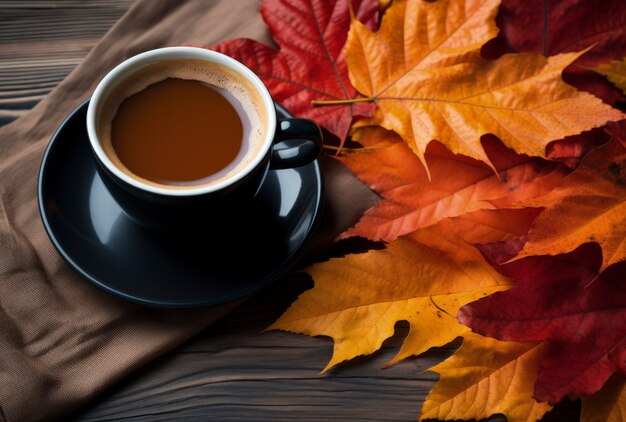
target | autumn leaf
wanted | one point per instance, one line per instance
(310, 64)
(617, 132)
(485, 377)
(458, 184)
(608, 404)
(572, 149)
(564, 301)
(615, 71)
(384, 4)
(588, 206)
(424, 71)
(422, 278)
(562, 26)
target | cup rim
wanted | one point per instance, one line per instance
(173, 53)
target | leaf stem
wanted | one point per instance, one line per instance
(334, 148)
(339, 102)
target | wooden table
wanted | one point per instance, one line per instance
(231, 371)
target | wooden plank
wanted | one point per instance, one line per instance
(41, 42)
(233, 371)
(54, 4)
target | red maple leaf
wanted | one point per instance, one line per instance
(561, 26)
(564, 301)
(617, 131)
(310, 64)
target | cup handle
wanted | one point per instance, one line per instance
(297, 142)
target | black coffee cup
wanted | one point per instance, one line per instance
(285, 143)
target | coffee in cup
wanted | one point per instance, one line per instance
(182, 123)
(183, 136)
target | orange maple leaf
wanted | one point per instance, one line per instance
(424, 71)
(422, 278)
(485, 377)
(608, 404)
(458, 184)
(588, 206)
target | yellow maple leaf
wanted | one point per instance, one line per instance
(424, 71)
(608, 404)
(485, 377)
(422, 278)
(615, 72)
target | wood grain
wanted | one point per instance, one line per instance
(41, 42)
(232, 371)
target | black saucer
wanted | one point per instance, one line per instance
(238, 255)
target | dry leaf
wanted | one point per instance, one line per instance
(358, 299)
(485, 377)
(565, 26)
(617, 131)
(608, 404)
(310, 63)
(588, 206)
(459, 184)
(424, 71)
(422, 278)
(615, 71)
(571, 150)
(564, 301)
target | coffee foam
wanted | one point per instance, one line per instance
(193, 69)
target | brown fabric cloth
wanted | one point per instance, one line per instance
(62, 340)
